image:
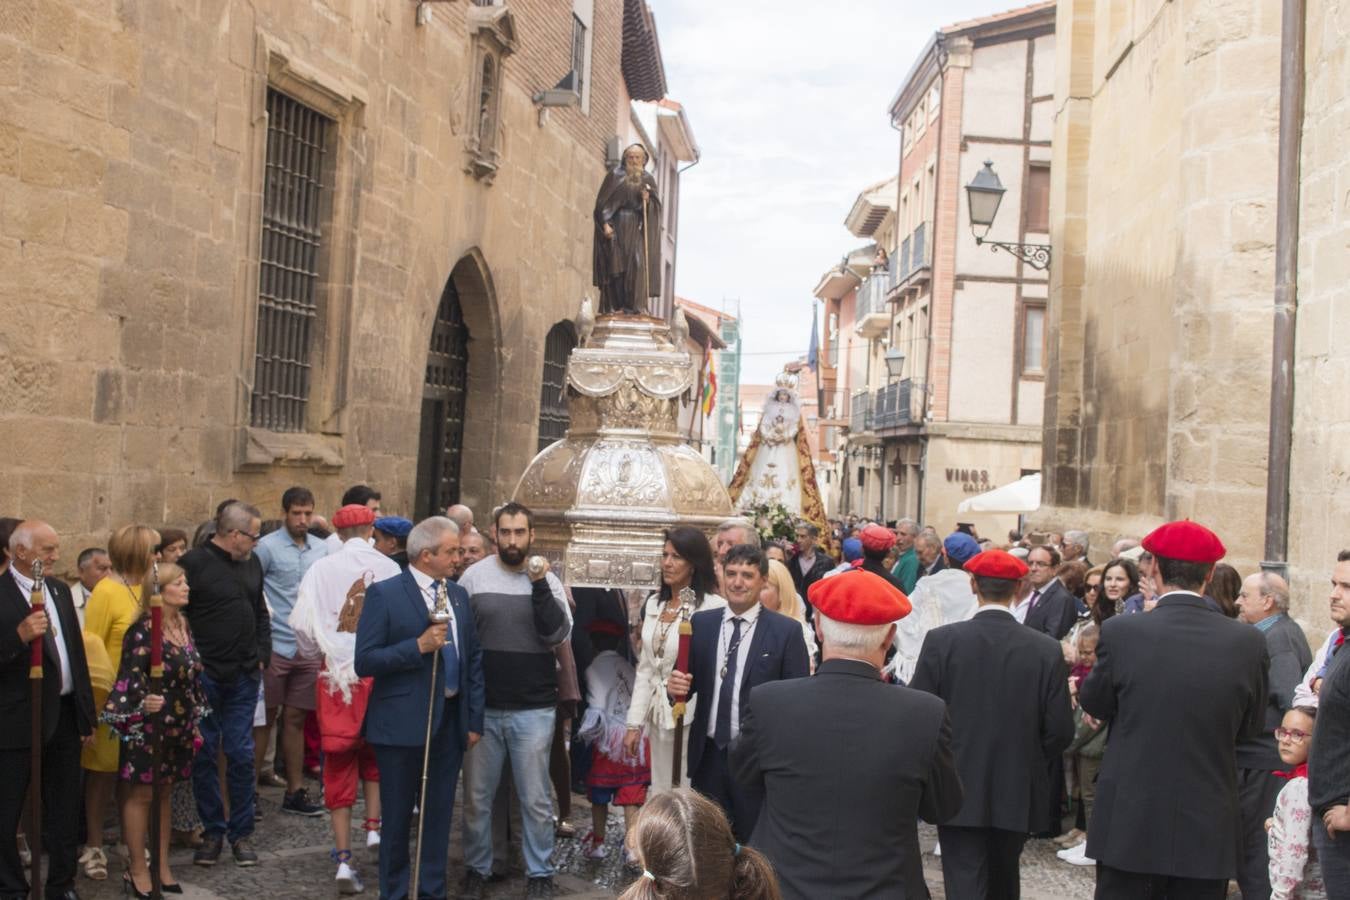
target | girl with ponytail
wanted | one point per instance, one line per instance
(684, 844)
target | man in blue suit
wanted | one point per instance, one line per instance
(395, 643)
(731, 651)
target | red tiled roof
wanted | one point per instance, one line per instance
(998, 17)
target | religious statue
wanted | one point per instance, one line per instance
(777, 468)
(627, 257)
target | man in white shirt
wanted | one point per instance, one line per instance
(93, 565)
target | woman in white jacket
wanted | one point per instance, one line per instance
(686, 562)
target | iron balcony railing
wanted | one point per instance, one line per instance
(872, 296)
(915, 254)
(861, 420)
(891, 409)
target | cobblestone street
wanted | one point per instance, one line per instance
(293, 863)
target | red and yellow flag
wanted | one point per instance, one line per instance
(709, 379)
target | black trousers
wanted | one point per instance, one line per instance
(981, 863)
(61, 807)
(713, 780)
(1117, 884)
(1257, 789)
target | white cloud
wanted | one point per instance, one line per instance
(787, 99)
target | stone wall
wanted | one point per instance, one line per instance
(131, 157)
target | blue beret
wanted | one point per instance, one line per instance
(852, 549)
(394, 526)
(960, 546)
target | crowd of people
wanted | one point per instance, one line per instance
(774, 720)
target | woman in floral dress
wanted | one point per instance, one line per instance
(135, 714)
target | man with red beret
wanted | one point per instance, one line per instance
(877, 541)
(1179, 687)
(1006, 688)
(847, 762)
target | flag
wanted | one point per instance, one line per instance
(813, 352)
(710, 380)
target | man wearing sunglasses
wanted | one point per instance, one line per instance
(233, 634)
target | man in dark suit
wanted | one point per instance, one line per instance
(731, 652)
(1050, 608)
(847, 762)
(1264, 604)
(1179, 686)
(396, 641)
(1006, 689)
(809, 565)
(67, 712)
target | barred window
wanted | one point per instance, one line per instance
(292, 245)
(578, 55)
(553, 416)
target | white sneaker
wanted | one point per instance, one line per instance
(592, 847)
(373, 841)
(347, 880)
(1077, 855)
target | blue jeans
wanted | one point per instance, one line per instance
(230, 723)
(1334, 855)
(523, 736)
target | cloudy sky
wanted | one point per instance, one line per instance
(788, 100)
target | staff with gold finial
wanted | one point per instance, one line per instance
(440, 615)
(38, 602)
(688, 599)
(155, 730)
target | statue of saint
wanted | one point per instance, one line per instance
(627, 255)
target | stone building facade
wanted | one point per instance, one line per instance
(1161, 309)
(254, 243)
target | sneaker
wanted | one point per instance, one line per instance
(1077, 855)
(208, 854)
(593, 847)
(539, 887)
(271, 779)
(373, 842)
(348, 882)
(243, 853)
(473, 886)
(299, 804)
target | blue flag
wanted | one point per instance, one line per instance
(813, 352)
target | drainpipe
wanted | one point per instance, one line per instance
(1293, 22)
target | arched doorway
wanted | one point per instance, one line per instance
(440, 445)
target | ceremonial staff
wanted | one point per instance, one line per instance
(646, 261)
(155, 732)
(38, 602)
(687, 599)
(440, 614)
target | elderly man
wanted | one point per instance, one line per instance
(233, 633)
(1264, 603)
(906, 568)
(928, 550)
(476, 545)
(1006, 688)
(67, 711)
(92, 565)
(1190, 684)
(462, 516)
(1050, 607)
(396, 642)
(1075, 546)
(731, 533)
(881, 752)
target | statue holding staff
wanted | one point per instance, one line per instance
(627, 255)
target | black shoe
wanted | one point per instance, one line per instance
(208, 854)
(472, 888)
(67, 894)
(299, 804)
(539, 887)
(174, 888)
(243, 853)
(129, 888)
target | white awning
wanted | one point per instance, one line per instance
(1022, 496)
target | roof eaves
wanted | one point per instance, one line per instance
(644, 73)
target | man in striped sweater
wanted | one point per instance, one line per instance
(521, 614)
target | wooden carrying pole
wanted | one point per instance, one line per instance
(682, 666)
(38, 602)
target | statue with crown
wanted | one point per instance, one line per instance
(776, 471)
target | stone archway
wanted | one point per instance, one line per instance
(457, 437)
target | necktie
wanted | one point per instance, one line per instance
(450, 659)
(727, 695)
(1035, 595)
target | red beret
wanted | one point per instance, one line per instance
(858, 597)
(878, 537)
(353, 515)
(996, 564)
(1186, 541)
(605, 626)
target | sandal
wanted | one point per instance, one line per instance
(94, 862)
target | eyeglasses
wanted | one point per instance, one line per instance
(1293, 735)
(252, 537)
(1093, 588)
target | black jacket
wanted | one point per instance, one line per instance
(817, 571)
(1290, 656)
(879, 569)
(848, 764)
(1055, 611)
(1328, 763)
(227, 612)
(1180, 686)
(16, 690)
(1006, 689)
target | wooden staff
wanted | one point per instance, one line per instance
(646, 255)
(687, 598)
(155, 731)
(38, 602)
(440, 614)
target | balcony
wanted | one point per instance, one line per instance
(913, 265)
(893, 406)
(872, 312)
(860, 422)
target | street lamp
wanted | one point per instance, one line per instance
(984, 194)
(895, 362)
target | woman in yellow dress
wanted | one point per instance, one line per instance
(113, 607)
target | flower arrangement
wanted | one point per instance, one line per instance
(773, 521)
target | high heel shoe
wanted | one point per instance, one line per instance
(129, 888)
(174, 888)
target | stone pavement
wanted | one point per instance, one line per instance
(293, 864)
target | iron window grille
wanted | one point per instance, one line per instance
(553, 416)
(578, 55)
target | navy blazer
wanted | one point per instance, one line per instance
(393, 617)
(777, 653)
